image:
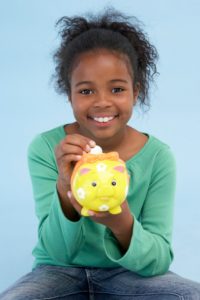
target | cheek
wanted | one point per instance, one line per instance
(77, 113)
(128, 108)
(76, 105)
(128, 100)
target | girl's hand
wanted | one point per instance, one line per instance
(68, 152)
(121, 224)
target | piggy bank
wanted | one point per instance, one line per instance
(99, 182)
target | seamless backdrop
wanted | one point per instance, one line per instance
(29, 105)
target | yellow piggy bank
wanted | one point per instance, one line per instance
(100, 182)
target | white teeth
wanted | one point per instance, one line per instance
(103, 120)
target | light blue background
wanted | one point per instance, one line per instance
(29, 105)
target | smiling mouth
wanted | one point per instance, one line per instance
(103, 119)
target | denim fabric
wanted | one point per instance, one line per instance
(52, 282)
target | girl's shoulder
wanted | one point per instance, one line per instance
(46, 141)
(154, 150)
(53, 135)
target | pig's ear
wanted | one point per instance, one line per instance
(120, 169)
(84, 171)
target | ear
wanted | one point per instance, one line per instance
(84, 171)
(136, 91)
(120, 169)
(69, 96)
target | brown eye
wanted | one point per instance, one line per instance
(113, 182)
(94, 183)
(86, 92)
(117, 90)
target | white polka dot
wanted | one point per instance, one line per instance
(104, 207)
(126, 191)
(81, 193)
(101, 167)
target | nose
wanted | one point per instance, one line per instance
(109, 191)
(102, 100)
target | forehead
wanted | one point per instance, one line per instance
(100, 62)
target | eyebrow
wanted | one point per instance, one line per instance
(119, 80)
(83, 82)
(112, 81)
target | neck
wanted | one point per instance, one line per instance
(113, 144)
(109, 144)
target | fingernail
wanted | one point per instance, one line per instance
(69, 194)
(91, 213)
(92, 143)
(87, 148)
(78, 157)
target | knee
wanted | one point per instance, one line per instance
(13, 295)
(188, 291)
(17, 293)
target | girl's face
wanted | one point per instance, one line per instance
(102, 95)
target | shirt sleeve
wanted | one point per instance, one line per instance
(58, 236)
(150, 251)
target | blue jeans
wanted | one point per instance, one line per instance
(52, 282)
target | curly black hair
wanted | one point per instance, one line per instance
(110, 30)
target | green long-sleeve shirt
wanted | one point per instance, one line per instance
(85, 243)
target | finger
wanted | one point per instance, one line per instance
(79, 140)
(98, 215)
(68, 159)
(66, 149)
(73, 201)
(125, 206)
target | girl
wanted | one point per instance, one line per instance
(104, 65)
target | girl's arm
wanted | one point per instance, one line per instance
(149, 252)
(59, 236)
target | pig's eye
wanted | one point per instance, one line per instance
(94, 183)
(113, 182)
